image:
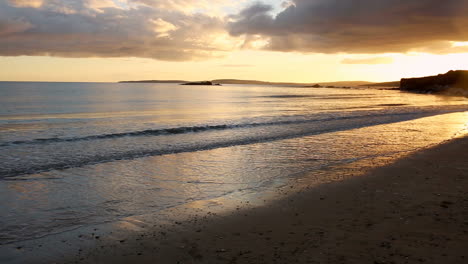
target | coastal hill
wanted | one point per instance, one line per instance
(255, 82)
(453, 82)
(342, 83)
(155, 81)
(383, 84)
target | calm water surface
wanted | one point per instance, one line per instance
(78, 154)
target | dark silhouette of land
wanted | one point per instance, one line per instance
(320, 84)
(200, 83)
(450, 83)
(155, 81)
(453, 82)
(255, 82)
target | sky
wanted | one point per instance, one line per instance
(274, 40)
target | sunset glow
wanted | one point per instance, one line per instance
(233, 131)
(110, 40)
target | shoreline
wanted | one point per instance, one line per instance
(411, 211)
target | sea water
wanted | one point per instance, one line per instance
(81, 154)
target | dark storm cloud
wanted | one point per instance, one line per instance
(357, 26)
(72, 28)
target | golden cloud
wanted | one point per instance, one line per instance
(359, 26)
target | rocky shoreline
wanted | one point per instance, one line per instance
(452, 83)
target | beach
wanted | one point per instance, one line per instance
(162, 173)
(413, 210)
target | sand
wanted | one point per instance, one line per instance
(414, 210)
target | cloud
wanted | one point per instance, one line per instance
(372, 60)
(101, 28)
(12, 26)
(179, 30)
(445, 47)
(216, 7)
(26, 3)
(163, 28)
(287, 4)
(100, 4)
(358, 26)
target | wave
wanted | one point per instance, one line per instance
(149, 132)
(73, 159)
(192, 129)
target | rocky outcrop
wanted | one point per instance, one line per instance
(199, 83)
(313, 86)
(453, 82)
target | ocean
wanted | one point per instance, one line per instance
(74, 155)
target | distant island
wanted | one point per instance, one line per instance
(201, 83)
(255, 82)
(452, 83)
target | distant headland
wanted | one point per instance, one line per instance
(155, 81)
(451, 83)
(255, 82)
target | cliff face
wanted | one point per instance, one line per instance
(456, 81)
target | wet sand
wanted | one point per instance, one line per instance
(414, 210)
